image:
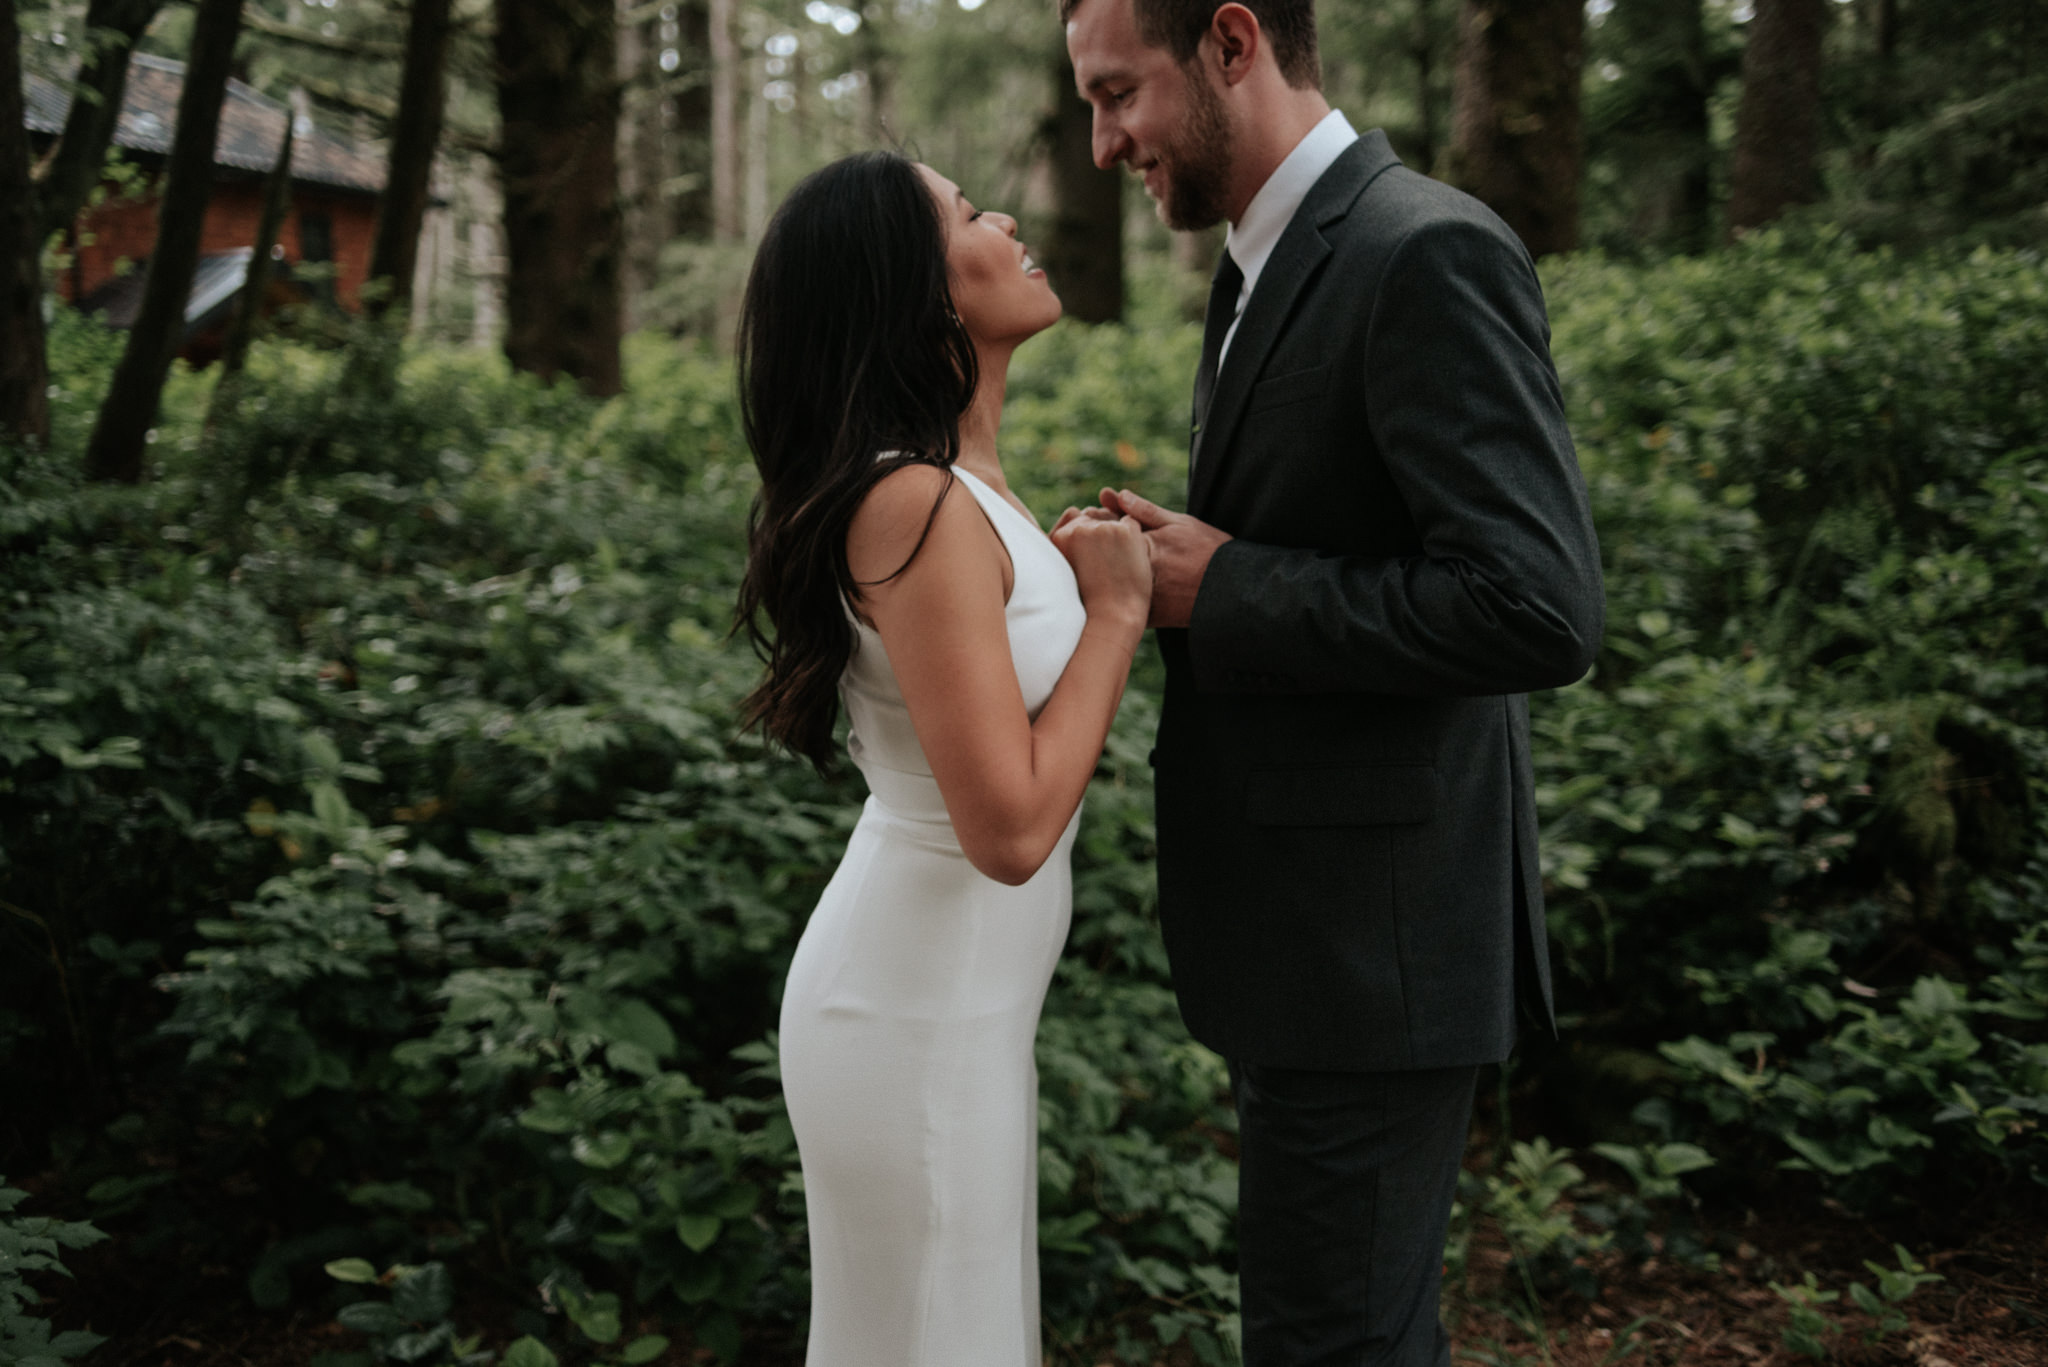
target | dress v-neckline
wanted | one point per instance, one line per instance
(1000, 497)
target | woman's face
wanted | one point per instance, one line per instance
(999, 293)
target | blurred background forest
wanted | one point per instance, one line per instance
(391, 920)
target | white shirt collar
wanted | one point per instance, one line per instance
(1257, 231)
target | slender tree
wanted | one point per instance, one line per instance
(1516, 126)
(73, 166)
(415, 137)
(724, 122)
(687, 120)
(642, 197)
(1084, 251)
(277, 198)
(24, 361)
(1422, 44)
(1777, 124)
(558, 107)
(115, 450)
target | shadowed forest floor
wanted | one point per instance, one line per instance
(1991, 1309)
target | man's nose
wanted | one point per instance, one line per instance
(1108, 142)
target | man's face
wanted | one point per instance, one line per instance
(1164, 119)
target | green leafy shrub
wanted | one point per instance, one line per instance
(1797, 807)
(1811, 1332)
(369, 780)
(32, 1244)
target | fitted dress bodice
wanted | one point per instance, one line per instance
(1044, 617)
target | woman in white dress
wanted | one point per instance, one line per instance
(980, 663)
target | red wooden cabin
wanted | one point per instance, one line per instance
(335, 184)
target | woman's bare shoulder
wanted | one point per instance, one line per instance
(911, 510)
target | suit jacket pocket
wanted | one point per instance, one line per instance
(1293, 387)
(1351, 795)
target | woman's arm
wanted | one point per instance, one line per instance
(1010, 784)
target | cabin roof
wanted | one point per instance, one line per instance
(251, 127)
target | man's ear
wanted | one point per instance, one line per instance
(1235, 32)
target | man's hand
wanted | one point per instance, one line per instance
(1180, 546)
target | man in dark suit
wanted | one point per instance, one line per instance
(1387, 545)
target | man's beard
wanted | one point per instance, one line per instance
(1198, 161)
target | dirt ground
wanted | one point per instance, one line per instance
(169, 1307)
(1991, 1310)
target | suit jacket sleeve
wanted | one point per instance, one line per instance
(1504, 595)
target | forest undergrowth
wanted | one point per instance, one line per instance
(393, 920)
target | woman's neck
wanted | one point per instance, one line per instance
(984, 417)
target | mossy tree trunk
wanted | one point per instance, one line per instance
(1777, 124)
(277, 198)
(1084, 251)
(1516, 132)
(1668, 127)
(558, 104)
(415, 137)
(119, 434)
(24, 360)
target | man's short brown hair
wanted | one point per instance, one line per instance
(1178, 26)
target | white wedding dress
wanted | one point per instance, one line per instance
(907, 1027)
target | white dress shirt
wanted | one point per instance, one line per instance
(1255, 234)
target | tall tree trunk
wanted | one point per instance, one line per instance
(871, 56)
(641, 197)
(1516, 130)
(558, 106)
(24, 361)
(1422, 46)
(725, 132)
(72, 167)
(688, 121)
(125, 417)
(277, 199)
(1669, 136)
(754, 168)
(415, 136)
(1777, 124)
(1886, 23)
(1084, 252)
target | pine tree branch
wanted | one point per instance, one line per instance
(367, 48)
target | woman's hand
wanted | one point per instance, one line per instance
(1112, 564)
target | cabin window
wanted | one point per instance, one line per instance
(316, 248)
(316, 237)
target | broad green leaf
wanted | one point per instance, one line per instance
(529, 1352)
(617, 1202)
(605, 1150)
(424, 1294)
(698, 1232)
(373, 1317)
(646, 1348)
(356, 1270)
(635, 1022)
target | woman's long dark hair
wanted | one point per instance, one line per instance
(849, 348)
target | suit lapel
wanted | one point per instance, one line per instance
(1295, 258)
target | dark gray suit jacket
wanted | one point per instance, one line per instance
(1348, 871)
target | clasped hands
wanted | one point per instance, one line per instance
(1178, 545)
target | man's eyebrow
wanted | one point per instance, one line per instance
(1101, 79)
